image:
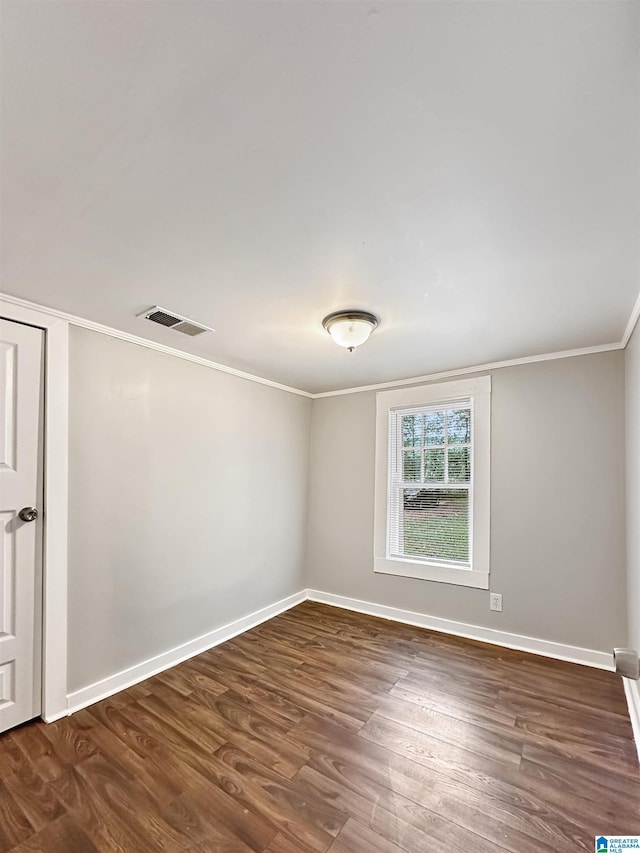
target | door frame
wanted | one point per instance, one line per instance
(56, 501)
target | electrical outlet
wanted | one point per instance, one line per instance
(495, 601)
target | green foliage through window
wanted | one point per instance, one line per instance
(436, 446)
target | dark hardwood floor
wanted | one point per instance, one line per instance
(323, 730)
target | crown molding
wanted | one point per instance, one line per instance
(223, 368)
(479, 368)
(633, 319)
(496, 365)
(144, 342)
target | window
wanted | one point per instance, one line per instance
(432, 482)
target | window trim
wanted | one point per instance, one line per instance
(478, 389)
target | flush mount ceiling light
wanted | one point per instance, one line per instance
(350, 329)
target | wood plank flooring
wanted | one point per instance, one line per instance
(324, 730)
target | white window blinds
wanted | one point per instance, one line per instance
(430, 483)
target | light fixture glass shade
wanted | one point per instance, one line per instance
(350, 329)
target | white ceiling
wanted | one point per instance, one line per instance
(468, 171)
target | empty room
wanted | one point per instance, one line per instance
(319, 426)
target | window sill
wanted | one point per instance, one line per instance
(431, 572)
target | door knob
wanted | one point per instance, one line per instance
(28, 513)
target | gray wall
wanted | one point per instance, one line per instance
(558, 505)
(632, 377)
(188, 493)
(188, 503)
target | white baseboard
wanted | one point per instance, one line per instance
(58, 715)
(546, 648)
(632, 692)
(134, 674)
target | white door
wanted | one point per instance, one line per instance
(21, 430)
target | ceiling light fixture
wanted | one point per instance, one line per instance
(350, 329)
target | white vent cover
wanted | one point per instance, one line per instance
(174, 321)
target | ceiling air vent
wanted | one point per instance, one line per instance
(174, 321)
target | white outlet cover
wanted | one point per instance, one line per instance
(495, 601)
